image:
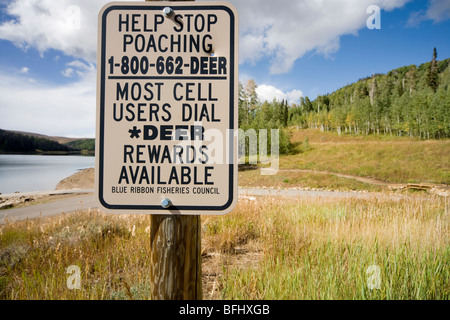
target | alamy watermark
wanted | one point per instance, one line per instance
(74, 280)
(197, 145)
(373, 273)
(374, 20)
(72, 17)
(257, 149)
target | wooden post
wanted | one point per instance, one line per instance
(176, 261)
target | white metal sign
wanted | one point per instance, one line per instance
(167, 90)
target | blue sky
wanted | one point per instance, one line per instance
(290, 48)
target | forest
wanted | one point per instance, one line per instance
(12, 142)
(409, 101)
(87, 145)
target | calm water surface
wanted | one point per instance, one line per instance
(26, 173)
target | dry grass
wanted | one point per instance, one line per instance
(322, 250)
(110, 250)
(303, 180)
(391, 159)
(271, 248)
(328, 161)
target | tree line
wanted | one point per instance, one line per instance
(82, 144)
(408, 101)
(12, 142)
(254, 115)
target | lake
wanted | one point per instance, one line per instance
(25, 173)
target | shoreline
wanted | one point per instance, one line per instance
(81, 182)
(53, 153)
(83, 179)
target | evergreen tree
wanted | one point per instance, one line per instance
(251, 99)
(432, 76)
(285, 114)
(241, 105)
(306, 104)
(401, 103)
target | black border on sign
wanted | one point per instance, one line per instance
(102, 110)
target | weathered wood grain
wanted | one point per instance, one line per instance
(176, 270)
(176, 257)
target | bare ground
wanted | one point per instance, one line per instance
(215, 263)
(83, 179)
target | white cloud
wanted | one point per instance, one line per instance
(24, 70)
(78, 67)
(294, 96)
(282, 30)
(66, 25)
(438, 10)
(30, 105)
(285, 30)
(67, 72)
(269, 93)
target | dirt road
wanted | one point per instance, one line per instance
(71, 204)
(341, 175)
(87, 200)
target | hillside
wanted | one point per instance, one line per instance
(61, 140)
(28, 142)
(408, 101)
(13, 142)
(82, 144)
(327, 160)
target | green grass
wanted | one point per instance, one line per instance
(269, 248)
(316, 180)
(391, 159)
(314, 276)
(110, 255)
(323, 251)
